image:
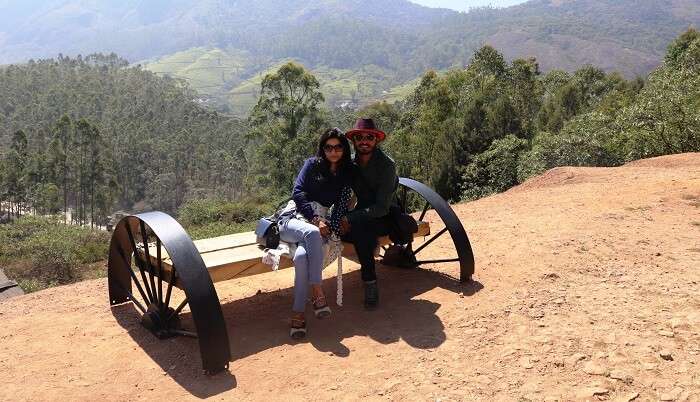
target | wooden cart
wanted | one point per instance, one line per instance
(152, 252)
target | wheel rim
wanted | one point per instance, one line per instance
(412, 197)
(140, 246)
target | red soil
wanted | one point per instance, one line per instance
(586, 287)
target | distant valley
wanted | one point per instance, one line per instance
(360, 50)
(230, 80)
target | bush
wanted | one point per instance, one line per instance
(494, 170)
(215, 229)
(41, 252)
(664, 118)
(586, 140)
(211, 217)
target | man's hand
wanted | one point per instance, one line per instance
(345, 226)
(324, 228)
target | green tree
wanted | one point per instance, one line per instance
(494, 170)
(63, 133)
(663, 118)
(488, 61)
(587, 140)
(525, 93)
(288, 98)
(16, 178)
(426, 145)
(4, 186)
(680, 48)
(47, 198)
(285, 125)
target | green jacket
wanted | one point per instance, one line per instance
(375, 186)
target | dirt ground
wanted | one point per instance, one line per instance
(586, 288)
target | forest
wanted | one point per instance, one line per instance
(94, 135)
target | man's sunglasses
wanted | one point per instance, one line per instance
(336, 147)
(363, 137)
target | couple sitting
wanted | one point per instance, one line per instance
(326, 180)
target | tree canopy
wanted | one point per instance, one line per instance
(93, 134)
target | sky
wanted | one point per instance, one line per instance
(464, 5)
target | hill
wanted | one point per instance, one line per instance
(208, 70)
(585, 289)
(140, 29)
(399, 38)
(231, 79)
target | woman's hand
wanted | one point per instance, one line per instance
(324, 228)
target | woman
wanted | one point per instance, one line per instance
(322, 182)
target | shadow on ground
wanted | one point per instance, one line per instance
(260, 322)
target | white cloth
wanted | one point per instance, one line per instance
(271, 256)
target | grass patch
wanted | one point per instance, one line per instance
(40, 252)
(211, 218)
(216, 229)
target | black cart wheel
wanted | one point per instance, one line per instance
(140, 244)
(413, 196)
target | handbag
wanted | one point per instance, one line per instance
(402, 226)
(267, 233)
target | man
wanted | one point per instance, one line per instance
(374, 184)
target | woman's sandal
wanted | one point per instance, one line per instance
(298, 328)
(321, 309)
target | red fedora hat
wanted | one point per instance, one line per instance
(365, 126)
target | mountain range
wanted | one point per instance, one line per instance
(362, 49)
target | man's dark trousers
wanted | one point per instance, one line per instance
(363, 234)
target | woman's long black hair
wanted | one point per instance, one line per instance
(345, 163)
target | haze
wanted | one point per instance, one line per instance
(465, 5)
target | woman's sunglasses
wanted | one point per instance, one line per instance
(336, 147)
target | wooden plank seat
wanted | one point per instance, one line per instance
(238, 255)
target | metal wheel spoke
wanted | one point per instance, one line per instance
(178, 309)
(138, 263)
(183, 332)
(144, 239)
(160, 272)
(127, 263)
(133, 299)
(425, 209)
(171, 282)
(432, 239)
(437, 261)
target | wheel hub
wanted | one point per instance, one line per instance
(161, 322)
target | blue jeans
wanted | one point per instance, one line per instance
(308, 258)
